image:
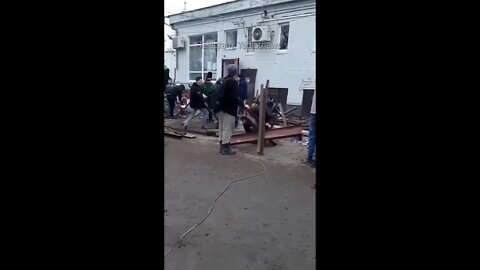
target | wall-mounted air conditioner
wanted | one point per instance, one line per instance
(178, 43)
(260, 34)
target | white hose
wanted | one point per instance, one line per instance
(211, 207)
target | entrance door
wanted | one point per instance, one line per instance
(250, 75)
(279, 94)
(226, 62)
(307, 102)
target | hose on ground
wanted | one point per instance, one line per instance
(211, 207)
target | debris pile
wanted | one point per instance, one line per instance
(276, 123)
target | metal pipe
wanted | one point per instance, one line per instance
(289, 17)
(176, 52)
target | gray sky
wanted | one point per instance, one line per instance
(176, 6)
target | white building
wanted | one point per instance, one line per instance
(169, 62)
(270, 40)
(169, 53)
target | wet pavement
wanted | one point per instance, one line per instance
(266, 222)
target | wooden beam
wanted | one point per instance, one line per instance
(291, 110)
(261, 120)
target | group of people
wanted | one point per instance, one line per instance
(223, 101)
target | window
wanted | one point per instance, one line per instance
(250, 47)
(196, 40)
(284, 29)
(203, 55)
(231, 39)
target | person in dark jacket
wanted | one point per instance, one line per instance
(208, 88)
(214, 99)
(214, 94)
(166, 76)
(226, 109)
(197, 103)
(242, 92)
(172, 93)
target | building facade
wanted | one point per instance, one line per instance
(169, 62)
(270, 40)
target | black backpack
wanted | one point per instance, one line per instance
(216, 95)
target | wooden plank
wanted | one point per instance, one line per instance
(190, 136)
(251, 119)
(283, 115)
(177, 133)
(261, 120)
(172, 134)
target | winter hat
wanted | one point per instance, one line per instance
(209, 76)
(232, 69)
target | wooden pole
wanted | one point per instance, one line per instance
(261, 118)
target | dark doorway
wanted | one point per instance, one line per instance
(307, 102)
(250, 75)
(279, 94)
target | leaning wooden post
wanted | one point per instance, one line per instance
(261, 118)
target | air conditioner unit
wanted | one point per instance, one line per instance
(178, 43)
(260, 34)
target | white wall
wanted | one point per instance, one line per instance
(170, 62)
(285, 70)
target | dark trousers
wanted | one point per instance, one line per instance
(240, 112)
(241, 109)
(171, 103)
(209, 104)
(312, 138)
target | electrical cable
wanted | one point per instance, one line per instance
(211, 207)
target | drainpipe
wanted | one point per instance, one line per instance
(289, 17)
(176, 56)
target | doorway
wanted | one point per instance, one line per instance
(279, 94)
(226, 62)
(250, 74)
(307, 102)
